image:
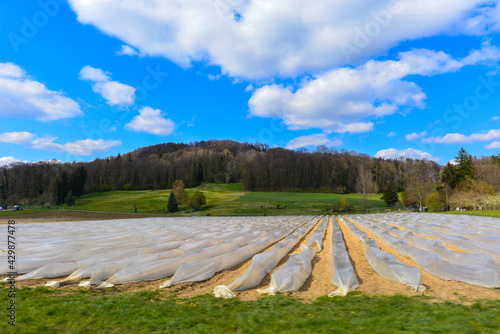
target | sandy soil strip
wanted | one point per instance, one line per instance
(370, 282)
(318, 284)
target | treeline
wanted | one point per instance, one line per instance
(153, 167)
(257, 166)
(469, 183)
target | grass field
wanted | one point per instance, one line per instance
(223, 200)
(20, 212)
(42, 310)
(486, 213)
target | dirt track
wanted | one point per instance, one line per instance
(53, 216)
(318, 283)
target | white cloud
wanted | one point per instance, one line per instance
(313, 140)
(458, 138)
(79, 147)
(114, 92)
(392, 134)
(151, 121)
(127, 50)
(249, 88)
(9, 70)
(496, 118)
(263, 39)
(409, 153)
(22, 97)
(11, 160)
(117, 94)
(214, 77)
(493, 145)
(8, 161)
(49, 161)
(346, 99)
(94, 74)
(21, 138)
(413, 136)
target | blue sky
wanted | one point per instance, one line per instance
(86, 79)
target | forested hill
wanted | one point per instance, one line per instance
(257, 166)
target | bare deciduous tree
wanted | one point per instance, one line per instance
(365, 177)
(419, 182)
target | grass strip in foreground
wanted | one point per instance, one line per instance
(42, 310)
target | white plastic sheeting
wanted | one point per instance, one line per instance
(293, 274)
(431, 261)
(385, 264)
(443, 252)
(200, 270)
(263, 263)
(318, 235)
(135, 249)
(427, 225)
(167, 267)
(342, 273)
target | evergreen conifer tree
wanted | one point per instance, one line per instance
(172, 203)
(70, 199)
(390, 196)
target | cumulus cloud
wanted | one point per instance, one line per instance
(9, 70)
(5, 161)
(264, 39)
(79, 147)
(313, 140)
(409, 153)
(151, 121)
(114, 92)
(414, 135)
(127, 50)
(49, 161)
(249, 88)
(21, 138)
(493, 145)
(94, 74)
(346, 99)
(22, 97)
(391, 134)
(458, 138)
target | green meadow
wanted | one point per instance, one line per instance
(485, 213)
(42, 310)
(227, 200)
(224, 200)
